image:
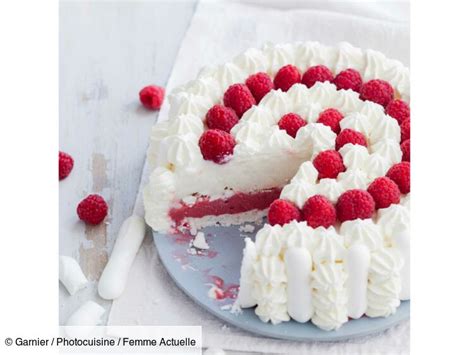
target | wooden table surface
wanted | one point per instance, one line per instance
(108, 52)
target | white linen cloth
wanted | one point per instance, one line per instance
(218, 32)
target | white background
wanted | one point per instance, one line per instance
(442, 176)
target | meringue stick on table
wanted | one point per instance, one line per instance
(71, 275)
(114, 277)
(89, 314)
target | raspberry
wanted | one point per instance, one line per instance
(405, 130)
(331, 117)
(259, 85)
(239, 98)
(399, 110)
(348, 79)
(291, 123)
(286, 77)
(152, 97)
(216, 145)
(282, 212)
(405, 147)
(93, 209)
(378, 91)
(348, 135)
(329, 164)
(400, 174)
(384, 192)
(317, 73)
(221, 117)
(66, 163)
(354, 204)
(318, 211)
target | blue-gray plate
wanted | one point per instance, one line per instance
(219, 268)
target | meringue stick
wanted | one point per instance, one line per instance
(114, 277)
(298, 268)
(358, 261)
(71, 275)
(88, 314)
(401, 239)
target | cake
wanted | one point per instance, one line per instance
(315, 136)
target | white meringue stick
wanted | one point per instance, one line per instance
(401, 240)
(114, 277)
(246, 298)
(71, 275)
(89, 314)
(299, 291)
(358, 261)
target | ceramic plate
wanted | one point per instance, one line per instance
(203, 275)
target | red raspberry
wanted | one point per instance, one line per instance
(239, 98)
(400, 174)
(348, 79)
(329, 164)
(282, 212)
(399, 110)
(348, 135)
(384, 192)
(331, 118)
(318, 211)
(152, 97)
(66, 163)
(291, 123)
(286, 77)
(405, 147)
(93, 209)
(317, 73)
(405, 130)
(221, 117)
(217, 145)
(378, 91)
(354, 204)
(259, 85)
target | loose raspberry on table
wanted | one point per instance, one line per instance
(221, 117)
(318, 73)
(291, 123)
(239, 98)
(331, 118)
(282, 212)
(399, 110)
(354, 204)
(93, 209)
(259, 85)
(348, 79)
(152, 96)
(318, 211)
(329, 164)
(286, 77)
(400, 174)
(66, 163)
(217, 145)
(384, 192)
(348, 135)
(378, 91)
(405, 147)
(405, 130)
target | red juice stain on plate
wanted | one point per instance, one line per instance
(217, 281)
(231, 292)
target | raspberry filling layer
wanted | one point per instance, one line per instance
(238, 203)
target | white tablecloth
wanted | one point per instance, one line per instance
(219, 31)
